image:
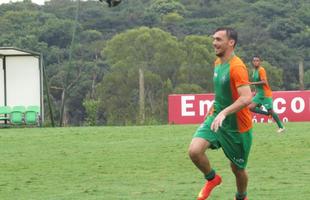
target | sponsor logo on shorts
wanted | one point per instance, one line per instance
(239, 160)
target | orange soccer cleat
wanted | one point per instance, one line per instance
(209, 186)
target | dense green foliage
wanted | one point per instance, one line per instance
(144, 162)
(169, 40)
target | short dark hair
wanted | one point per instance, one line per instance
(230, 32)
(256, 56)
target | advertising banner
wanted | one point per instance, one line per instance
(291, 106)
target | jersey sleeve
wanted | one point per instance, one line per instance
(240, 76)
(262, 74)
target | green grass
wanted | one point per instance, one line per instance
(135, 163)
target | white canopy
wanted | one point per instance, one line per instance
(21, 78)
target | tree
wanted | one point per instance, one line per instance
(172, 21)
(118, 96)
(144, 49)
(187, 88)
(57, 32)
(198, 65)
(284, 28)
(163, 7)
(91, 107)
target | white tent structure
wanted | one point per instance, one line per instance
(21, 78)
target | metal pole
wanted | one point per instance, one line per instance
(4, 77)
(48, 97)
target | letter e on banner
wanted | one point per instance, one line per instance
(186, 105)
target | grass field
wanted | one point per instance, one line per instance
(144, 162)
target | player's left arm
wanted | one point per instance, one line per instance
(245, 98)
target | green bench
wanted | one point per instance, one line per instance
(20, 115)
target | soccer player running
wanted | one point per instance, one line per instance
(229, 124)
(263, 95)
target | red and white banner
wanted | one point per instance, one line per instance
(291, 106)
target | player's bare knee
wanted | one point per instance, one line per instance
(194, 152)
(240, 172)
(237, 171)
(197, 149)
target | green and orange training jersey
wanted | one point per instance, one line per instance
(263, 90)
(227, 78)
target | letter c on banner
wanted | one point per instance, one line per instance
(276, 108)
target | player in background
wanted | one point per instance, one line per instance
(263, 96)
(229, 124)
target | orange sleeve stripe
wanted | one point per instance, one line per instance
(266, 87)
(262, 73)
(244, 120)
(240, 77)
(239, 73)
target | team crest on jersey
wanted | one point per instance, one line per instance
(215, 74)
(223, 79)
